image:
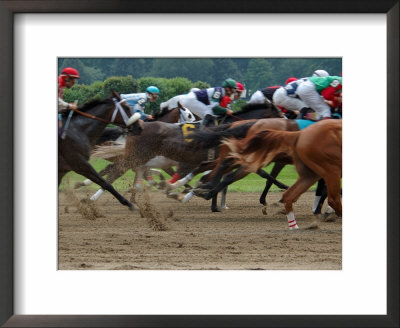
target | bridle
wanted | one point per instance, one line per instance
(118, 108)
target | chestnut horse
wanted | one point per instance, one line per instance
(316, 152)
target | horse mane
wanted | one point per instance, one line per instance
(93, 103)
(249, 107)
(162, 113)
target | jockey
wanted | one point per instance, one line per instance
(173, 102)
(240, 91)
(66, 80)
(211, 101)
(265, 95)
(311, 90)
(137, 101)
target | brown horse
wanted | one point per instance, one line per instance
(316, 151)
(115, 169)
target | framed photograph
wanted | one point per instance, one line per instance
(42, 283)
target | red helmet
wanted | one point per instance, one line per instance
(71, 72)
(290, 79)
(239, 86)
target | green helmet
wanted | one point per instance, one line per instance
(229, 83)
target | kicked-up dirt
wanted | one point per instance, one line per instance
(169, 235)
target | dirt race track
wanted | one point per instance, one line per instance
(188, 236)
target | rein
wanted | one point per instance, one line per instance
(118, 107)
(91, 116)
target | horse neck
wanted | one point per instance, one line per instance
(171, 116)
(93, 128)
(254, 114)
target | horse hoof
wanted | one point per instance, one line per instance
(207, 196)
(180, 197)
(175, 196)
(215, 210)
(78, 185)
(264, 210)
(294, 228)
(314, 225)
(330, 217)
(131, 207)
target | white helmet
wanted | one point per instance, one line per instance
(320, 73)
(194, 89)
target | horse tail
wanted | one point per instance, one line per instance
(258, 150)
(108, 151)
(211, 137)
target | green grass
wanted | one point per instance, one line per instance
(251, 183)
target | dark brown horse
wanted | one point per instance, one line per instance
(85, 127)
(316, 152)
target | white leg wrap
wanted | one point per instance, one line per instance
(188, 197)
(87, 182)
(316, 201)
(97, 195)
(292, 221)
(182, 181)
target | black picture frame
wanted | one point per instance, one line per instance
(8, 201)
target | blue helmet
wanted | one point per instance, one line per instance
(152, 89)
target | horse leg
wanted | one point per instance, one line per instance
(204, 166)
(223, 199)
(138, 182)
(84, 168)
(305, 180)
(333, 187)
(227, 163)
(114, 171)
(214, 207)
(274, 173)
(320, 196)
(228, 179)
(109, 168)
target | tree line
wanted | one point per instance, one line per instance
(127, 84)
(254, 73)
